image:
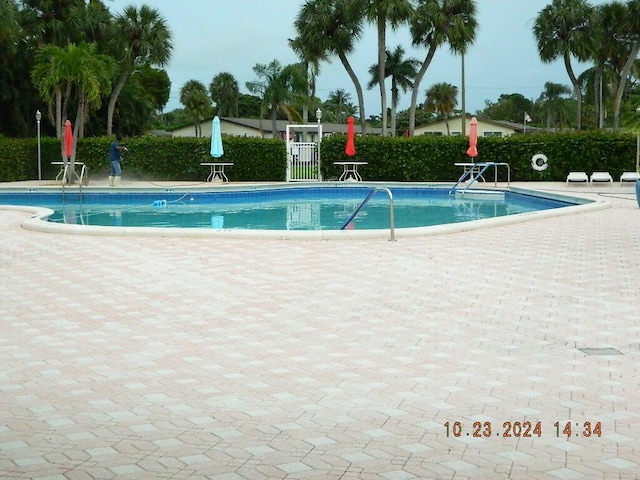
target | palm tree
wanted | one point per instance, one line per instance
(339, 99)
(435, 23)
(442, 100)
(59, 23)
(402, 72)
(338, 106)
(562, 31)
(383, 12)
(10, 34)
(194, 96)
(55, 22)
(552, 102)
(225, 92)
(331, 27)
(50, 78)
(604, 47)
(279, 87)
(75, 72)
(311, 59)
(139, 37)
(9, 28)
(61, 74)
(630, 30)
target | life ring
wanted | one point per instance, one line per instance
(539, 162)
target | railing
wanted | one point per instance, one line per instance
(81, 177)
(361, 206)
(483, 166)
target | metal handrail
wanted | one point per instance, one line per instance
(475, 179)
(80, 177)
(485, 166)
(391, 218)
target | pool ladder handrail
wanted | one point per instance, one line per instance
(83, 173)
(392, 237)
(469, 173)
(485, 166)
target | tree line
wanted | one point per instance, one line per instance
(106, 70)
(101, 69)
(606, 36)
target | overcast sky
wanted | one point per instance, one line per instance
(214, 36)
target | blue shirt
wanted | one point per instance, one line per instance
(114, 152)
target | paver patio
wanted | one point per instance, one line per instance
(173, 358)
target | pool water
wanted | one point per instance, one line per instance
(292, 208)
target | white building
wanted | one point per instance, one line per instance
(253, 127)
(486, 127)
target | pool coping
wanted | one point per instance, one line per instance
(36, 220)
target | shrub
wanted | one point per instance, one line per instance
(424, 158)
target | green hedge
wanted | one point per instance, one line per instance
(424, 158)
(430, 158)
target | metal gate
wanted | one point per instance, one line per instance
(303, 157)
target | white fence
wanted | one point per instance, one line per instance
(303, 158)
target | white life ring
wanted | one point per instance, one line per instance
(539, 162)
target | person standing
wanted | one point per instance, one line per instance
(115, 157)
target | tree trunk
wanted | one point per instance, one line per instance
(576, 89)
(394, 107)
(597, 90)
(58, 119)
(463, 95)
(65, 107)
(416, 89)
(382, 59)
(274, 122)
(358, 87)
(70, 178)
(114, 98)
(621, 84)
(305, 118)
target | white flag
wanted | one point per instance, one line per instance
(527, 118)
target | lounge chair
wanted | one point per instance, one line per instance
(629, 177)
(577, 177)
(600, 177)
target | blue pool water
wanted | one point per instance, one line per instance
(291, 208)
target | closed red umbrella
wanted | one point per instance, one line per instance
(68, 139)
(350, 149)
(472, 151)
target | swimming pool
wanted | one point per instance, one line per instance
(293, 209)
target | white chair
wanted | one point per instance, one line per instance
(629, 177)
(577, 177)
(601, 177)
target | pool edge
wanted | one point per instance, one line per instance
(36, 222)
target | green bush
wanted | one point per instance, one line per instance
(431, 158)
(424, 158)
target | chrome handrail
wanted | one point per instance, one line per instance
(83, 173)
(391, 217)
(482, 166)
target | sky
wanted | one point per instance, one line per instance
(214, 36)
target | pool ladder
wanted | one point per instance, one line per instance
(81, 177)
(361, 206)
(477, 170)
(470, 173)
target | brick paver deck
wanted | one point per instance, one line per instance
(171, 358)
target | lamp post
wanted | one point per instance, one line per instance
(38, 118)
(319, 117)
